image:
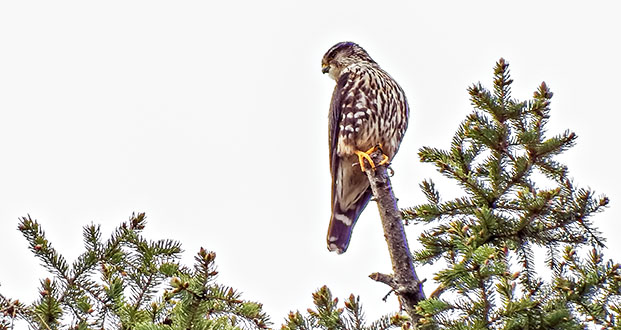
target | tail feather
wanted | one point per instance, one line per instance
(342, 222)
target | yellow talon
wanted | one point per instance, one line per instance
(384, 161)
(362, 155)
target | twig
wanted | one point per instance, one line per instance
(438, 291)
(404, 282)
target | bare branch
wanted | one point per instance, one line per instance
(405, 282)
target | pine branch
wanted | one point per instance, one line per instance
(329, 316)
(406, 283)
(506, 218)
(117, 284)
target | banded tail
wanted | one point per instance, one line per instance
(342, 222)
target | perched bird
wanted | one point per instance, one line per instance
(368, 109)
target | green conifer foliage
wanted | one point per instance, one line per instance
(327, 315)
(128, 282)
(518, 202)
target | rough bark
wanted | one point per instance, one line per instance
(404, 281)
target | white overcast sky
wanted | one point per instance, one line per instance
(211, 117)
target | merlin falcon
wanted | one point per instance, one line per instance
(368, 110)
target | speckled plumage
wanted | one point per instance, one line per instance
(368, 108)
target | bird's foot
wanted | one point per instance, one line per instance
(362, 155)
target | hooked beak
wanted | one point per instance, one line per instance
(325, 68)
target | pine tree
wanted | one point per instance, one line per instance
(121, 283)
(519, 202)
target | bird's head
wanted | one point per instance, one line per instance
(341, 56)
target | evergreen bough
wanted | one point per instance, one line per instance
(128, 282)
(327, 315)
(518, 203)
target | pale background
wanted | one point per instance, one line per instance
(211, 117)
